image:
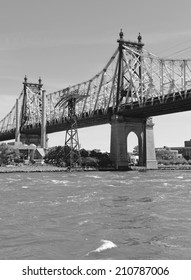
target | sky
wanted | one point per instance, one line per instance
(66, 42)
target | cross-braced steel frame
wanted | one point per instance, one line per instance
(68, 101)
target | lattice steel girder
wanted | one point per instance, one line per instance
(32, 103)
(159, 77)
(32, 108)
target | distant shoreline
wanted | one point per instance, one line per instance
(51, 168)
(31, 168)
(174, 167)
(38, 168)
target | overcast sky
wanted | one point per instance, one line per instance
(67, 42)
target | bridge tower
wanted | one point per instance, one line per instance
(121, 126)
(39, 138)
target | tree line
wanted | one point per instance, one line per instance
(58, 156)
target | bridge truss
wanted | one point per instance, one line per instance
(132, 80)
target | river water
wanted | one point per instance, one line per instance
(95, 215)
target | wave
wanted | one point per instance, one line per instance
(145, 199)
(167, 218)
(163, 244)
(106, 244)
(26, 202)
(93, 176)
(59, 182)
(13, 179)
(83, 222)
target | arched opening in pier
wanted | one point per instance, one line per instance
(132, 148)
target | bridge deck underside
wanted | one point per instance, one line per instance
(173, 103)
(152, 107)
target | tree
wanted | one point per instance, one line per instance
(8, 154)
(56, 156)
(104, 160)
(136, 150)
(89, 162)
(164, 154)
(84, 153)
(59, 156)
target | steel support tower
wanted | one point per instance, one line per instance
(71, 138)
(69, 100)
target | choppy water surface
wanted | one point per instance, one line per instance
(96, 215)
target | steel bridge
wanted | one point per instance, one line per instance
(134, 84)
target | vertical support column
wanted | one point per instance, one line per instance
(118, 144)
(17, 132)
(150, 146)
(172, 79)
(184, 78)
(142, 146)
(139, 47)
(161, 79)
(120, 70)
(43, 121)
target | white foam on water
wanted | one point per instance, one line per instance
(83, 222)
(26, 202)
(106, 244)
(180, 177)
(59, 182)
(52, 203)
(13, 179)
(93, 176)
(25, 187)
(112, 186)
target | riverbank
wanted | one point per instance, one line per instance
(174, 167)
(39, 168)
(31, 168)
(51, 168)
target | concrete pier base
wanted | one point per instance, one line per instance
(120, 129)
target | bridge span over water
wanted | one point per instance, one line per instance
(134, 86)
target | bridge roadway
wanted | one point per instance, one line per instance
(172, 103)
